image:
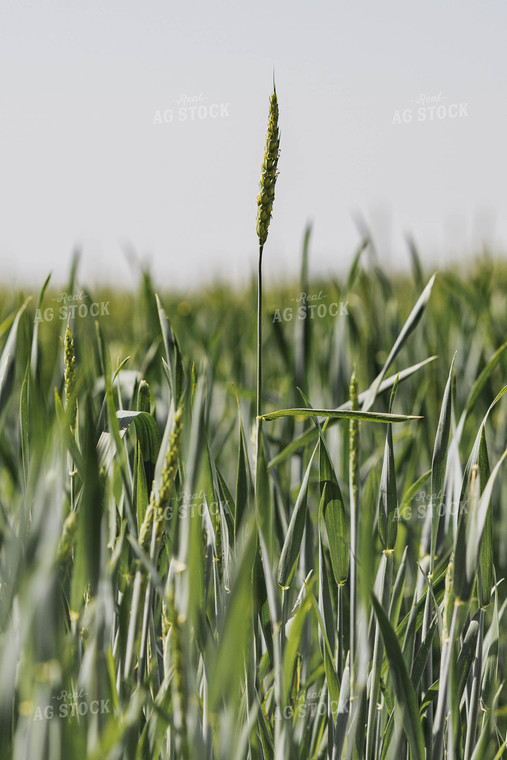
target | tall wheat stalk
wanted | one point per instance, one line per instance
(264, 212)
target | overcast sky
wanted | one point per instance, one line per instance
(141, 125)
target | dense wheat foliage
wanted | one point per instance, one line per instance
(163, 595)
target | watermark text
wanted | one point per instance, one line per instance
(72, 306)
(191, 108)
(426, 108)
(311, 306)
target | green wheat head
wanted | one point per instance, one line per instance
(158, 501)
(269, 172)
(70, 378)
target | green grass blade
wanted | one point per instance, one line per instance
(8, 359)
(306, 438)
(25, 423)
(339, 415)
(405, 694)
(483, 378)
(388, 497)
(410, 325)
(226, 674)
(335, 517)
(486, 559)
(292, 544)
(469, 537)
(34, 354)
(244, 485)
(439, 460)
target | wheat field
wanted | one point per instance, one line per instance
(196, 566)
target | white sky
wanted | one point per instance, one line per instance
(83, 163)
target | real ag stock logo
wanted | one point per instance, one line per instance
(72, 306)
(426, 108)
(311, 306)
(191, 108)
(66, 705)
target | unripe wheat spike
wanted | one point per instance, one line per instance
(269, 172)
